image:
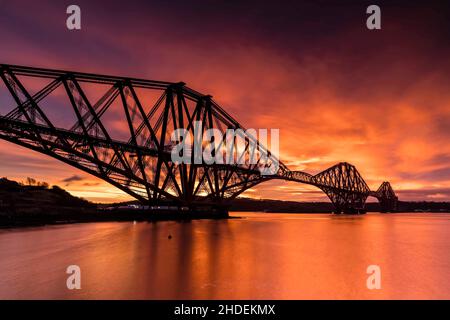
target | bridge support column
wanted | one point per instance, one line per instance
(387, 198)
(346, 202)
(388, 204)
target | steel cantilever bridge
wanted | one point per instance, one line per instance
(137, 159)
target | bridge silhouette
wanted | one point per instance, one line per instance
(138, 160)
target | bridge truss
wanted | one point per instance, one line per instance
(133, 151)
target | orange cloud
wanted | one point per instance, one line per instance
(379, 101)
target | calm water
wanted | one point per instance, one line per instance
(261, 256)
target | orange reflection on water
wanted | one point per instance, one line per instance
(260, 256)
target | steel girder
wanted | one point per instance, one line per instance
(387, 197)
(139, 163)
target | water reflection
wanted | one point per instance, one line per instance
(260, 256)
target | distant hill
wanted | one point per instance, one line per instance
(35, 203)
(17, 198)
(247, 204)
(267, 205)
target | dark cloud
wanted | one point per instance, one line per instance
(438, 194)
(73, 178)
(91, 184)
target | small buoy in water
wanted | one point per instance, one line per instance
(169, 237)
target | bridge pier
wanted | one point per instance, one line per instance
(388, 204)
(214, 211)
(387, 198)
(346, 202)
(210, 209)
(350, 210)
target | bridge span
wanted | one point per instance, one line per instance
(133, 152)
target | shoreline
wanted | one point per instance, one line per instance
(24, 221)
(21, 220)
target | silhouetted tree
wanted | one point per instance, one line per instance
(31, 181)
(43, 184)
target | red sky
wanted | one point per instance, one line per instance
(337, 91)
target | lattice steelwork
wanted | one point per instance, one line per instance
(387, 198)
(346, 189)
(344, 186)
(133, 151)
